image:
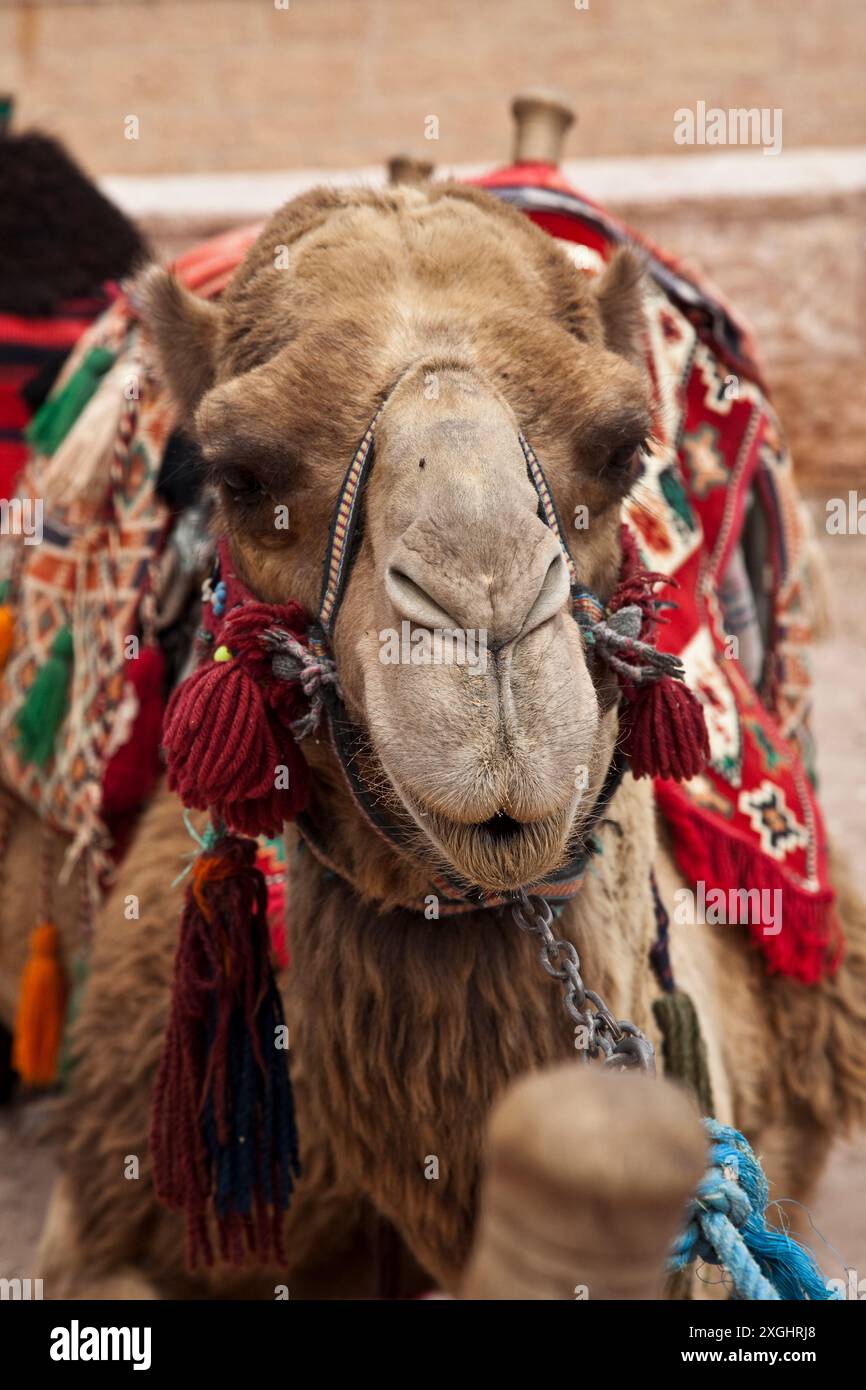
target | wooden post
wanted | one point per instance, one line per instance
(405, 168)
(541, 119)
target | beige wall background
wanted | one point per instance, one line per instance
(241, 84)
(250, 86)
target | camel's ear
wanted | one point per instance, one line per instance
(619, 294)
(184, 329)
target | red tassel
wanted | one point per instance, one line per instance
(219, 744)
(637, 587)
(665, 734)
(266, 814)
(226, 732)
(242, 634)
(133, 772)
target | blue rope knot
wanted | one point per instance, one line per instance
(726, 1225)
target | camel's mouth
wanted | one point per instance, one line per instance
(501, 853)
(501, 828)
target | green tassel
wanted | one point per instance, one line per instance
(68, 1058)
(53, 421)
(683, 1048)
(44, 708)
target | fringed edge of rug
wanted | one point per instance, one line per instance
(810, 944)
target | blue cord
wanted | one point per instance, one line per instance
(727, 1226)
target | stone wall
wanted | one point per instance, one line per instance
(242, 84)
(324, 85)
(795, 268)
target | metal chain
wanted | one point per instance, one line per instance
(620, 1043)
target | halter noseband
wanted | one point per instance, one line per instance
(453, 894)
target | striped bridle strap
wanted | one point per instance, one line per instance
(346, 521)
(343, 536)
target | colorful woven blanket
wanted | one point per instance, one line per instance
(89, 578)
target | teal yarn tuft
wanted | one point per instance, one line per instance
(727, 1226)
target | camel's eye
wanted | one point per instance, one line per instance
(626, 459)
(241, 485)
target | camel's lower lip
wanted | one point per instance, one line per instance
(500, 853)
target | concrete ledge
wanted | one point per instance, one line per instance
(727, 174)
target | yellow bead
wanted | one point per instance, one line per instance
(222, 654)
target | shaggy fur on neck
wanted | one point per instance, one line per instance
(403, 1032)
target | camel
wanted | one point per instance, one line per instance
(465, 327)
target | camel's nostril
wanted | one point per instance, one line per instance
(551, 596)
(413, 602)
(463, 591)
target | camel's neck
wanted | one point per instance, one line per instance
(405, 1029)
(610, 919)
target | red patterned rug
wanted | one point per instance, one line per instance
(717, 493)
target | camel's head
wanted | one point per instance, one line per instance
(455, 646)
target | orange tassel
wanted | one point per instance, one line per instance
(41, 1010)
(7, 632)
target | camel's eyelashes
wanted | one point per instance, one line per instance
(622, 458)
(626, 461)
(241, 485)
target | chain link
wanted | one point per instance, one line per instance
(620, 1043)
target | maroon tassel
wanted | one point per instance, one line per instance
(664, 730)
(223, 1138)
(266, 814)
(218, 741)
(244, 625)
(637, 587)
(134, 770)
(226, 729)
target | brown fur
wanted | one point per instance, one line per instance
(402, 1033)
(404, 1030)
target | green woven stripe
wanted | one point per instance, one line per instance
(51, 424)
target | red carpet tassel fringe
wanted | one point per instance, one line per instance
(811, 945)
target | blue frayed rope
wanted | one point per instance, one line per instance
(727, 1226)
